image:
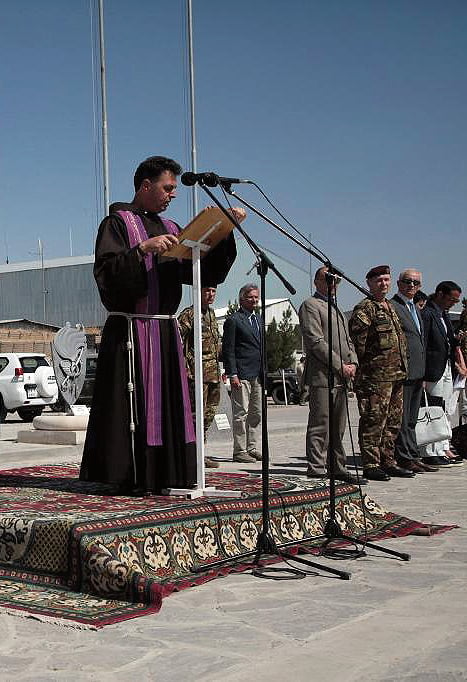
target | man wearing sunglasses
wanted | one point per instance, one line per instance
(407, 452)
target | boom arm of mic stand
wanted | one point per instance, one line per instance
(308, 249)
(272, 267)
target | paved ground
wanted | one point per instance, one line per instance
(392, 621)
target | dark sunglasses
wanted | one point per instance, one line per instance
(415, 282)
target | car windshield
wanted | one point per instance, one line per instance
(32, 362)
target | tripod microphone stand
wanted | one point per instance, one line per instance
(332, 529)
(266, 544)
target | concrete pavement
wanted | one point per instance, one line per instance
(392, 621)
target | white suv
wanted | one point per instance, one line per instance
(27, 384)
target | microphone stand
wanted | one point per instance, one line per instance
(332, 529)
(266, 544)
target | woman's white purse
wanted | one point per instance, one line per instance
(432, 424)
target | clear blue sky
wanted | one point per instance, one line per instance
(351, 114)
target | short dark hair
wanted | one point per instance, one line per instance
(420, 296)
(152, 167)
(446, 287)
(323, 268)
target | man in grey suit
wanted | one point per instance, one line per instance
(241, 355)
(313, 315)
(407, 452)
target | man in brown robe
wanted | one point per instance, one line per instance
(144, 444)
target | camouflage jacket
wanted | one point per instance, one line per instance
(210, 343)
(379, 341)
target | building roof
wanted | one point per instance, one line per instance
(23, 319)
(51, 263)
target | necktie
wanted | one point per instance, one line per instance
(254, 324)
(413, 312)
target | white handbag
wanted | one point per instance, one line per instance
(432, 424)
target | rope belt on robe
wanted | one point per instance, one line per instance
(146, 324)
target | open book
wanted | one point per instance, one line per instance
(209, 227)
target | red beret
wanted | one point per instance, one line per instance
(378, 270)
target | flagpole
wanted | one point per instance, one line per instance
(105, 158)
(194, 195)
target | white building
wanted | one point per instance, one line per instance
(275, 307)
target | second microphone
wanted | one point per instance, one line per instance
(209, 179)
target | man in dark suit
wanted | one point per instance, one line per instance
(241, 353)
(313, 315)
(440, 346)
(407, 452)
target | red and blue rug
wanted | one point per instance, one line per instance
(73, 551)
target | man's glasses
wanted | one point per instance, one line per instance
(415, 282)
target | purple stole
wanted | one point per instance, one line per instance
(148, 333)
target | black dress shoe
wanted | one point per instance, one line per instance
(434, 461)
(399, 471)
(415, 467)
(376, 474)
(427, 467)
(347, 477)
(443, 461)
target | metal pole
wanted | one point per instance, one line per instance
(6, 248)
(194, 195)
(44, 290)
(310, 266)
(198, 344)
(105, 159)
(196, 255)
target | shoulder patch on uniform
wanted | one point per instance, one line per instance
(362, 316)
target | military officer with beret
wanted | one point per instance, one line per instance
(380, 344)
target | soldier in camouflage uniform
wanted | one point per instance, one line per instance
(210, 357)
(380, 344)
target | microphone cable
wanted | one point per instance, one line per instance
(295, 229)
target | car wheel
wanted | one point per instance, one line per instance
(3, 411)
(278, 395)
(27, 414)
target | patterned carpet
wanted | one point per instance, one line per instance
(72, 550)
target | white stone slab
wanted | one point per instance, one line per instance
(45, 437)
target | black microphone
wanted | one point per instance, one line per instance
(190, 179)
(209, 179)
(232, 181)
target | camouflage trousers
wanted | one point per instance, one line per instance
(211, 399)
(380, 406)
